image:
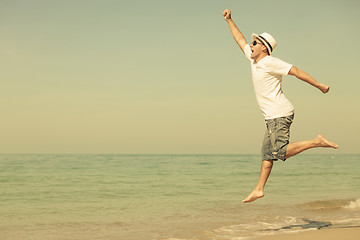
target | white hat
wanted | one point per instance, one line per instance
(267, 40)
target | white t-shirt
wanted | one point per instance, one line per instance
(267, 76)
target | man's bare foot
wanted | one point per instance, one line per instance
(321, 141)
(253, 196)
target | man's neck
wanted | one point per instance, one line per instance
(261, 56)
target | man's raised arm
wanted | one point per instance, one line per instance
(238, 36)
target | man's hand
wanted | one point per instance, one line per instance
(324, 88)
(227, 14)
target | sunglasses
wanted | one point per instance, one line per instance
(255, 42)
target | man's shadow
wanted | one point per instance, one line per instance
(310, 224)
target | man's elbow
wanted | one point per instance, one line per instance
(241, 42)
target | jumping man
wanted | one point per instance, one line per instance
(267, 72)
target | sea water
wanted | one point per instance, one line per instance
(167, 197)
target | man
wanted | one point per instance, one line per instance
(267, 72)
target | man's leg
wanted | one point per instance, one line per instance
(298, 147)
(292, 149)
(258, 191)
(266, 164)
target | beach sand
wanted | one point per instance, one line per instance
(324, 234)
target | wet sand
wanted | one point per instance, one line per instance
(324, 234)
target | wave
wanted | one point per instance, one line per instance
(353, 204)
(327, 205)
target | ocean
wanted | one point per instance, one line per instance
(173, 197)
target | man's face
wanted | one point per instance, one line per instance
(256, 48)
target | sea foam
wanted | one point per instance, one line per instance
(353, 204)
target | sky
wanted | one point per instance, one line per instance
(166, 76)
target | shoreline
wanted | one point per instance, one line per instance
(346, 233)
